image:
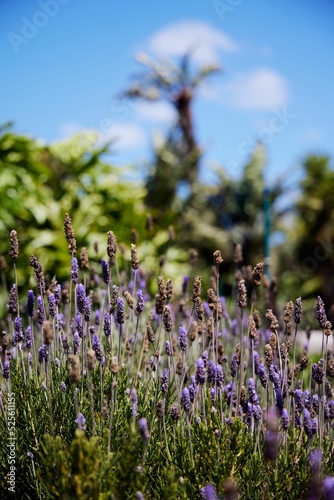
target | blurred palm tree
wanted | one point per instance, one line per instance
(177, 157)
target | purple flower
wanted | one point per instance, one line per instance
(219, 376)
(211, 372)
(320, 313)
(192, 388)
(28, 343)
(81, 296)
(298, 312)
(185, 284)
(253, 397)
(107, 325)
(164, 381)
(186, 399)
(134, 401)
(57, 362)
(205, 356)
(63, 387)
(6, 370)
(168, 348)
(87, 309)
(140, 496)
(183, 338)
(299, 400)
(57, 294)
(317, 371)
(76, 342)
(315, 403)
(285, 420)
(97, 348)
(143, 429)
(234, 365)
(200, 371)
(18, 332)
(30, 306)
(43, 354)
(52, 305)
(257, 412)
(105, 272)
(262, 375)
(315, 460)
(213, 394)
(307, 422)
(81, 422)
(120, 315)
(329, 487)
(152, 364)
(12, 302)
(40, 311)
(140, 301)
(75, 271)
(256, 362)
(208, 492)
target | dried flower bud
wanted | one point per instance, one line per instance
(134, 257)
(84, 260)
(160, 409)
(199, 309)
(167, 319)
(150, 333)
(161, 288)
(257, 274)
(328, 328)
(287, 315)
(169, 289)
(242, 294)
(273, 320)
(14, 245)
(47, 332)
(111, 247)
(91, 359)
(268, 354)
(217, 257)
(114, 365)
(75, 368)
(128, 297)
(69, 234)
(197, 288)
(193, 331)
(251, 328)
(298, 313)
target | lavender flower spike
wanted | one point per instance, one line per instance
(75, 271)
(183, 338)
(30, 307)
(105, 271)
(143, 429)
(81, 422)
(186, 399)
(208, 492)
(140, 302)
(120, 315)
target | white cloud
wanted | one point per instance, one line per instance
(263, 89)
(204, 41)
(122, 135)
(155, 112)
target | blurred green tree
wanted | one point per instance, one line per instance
(310, 255)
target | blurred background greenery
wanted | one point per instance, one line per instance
(40, 183)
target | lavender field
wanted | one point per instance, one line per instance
(118, 384)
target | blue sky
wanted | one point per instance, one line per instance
(64, 63)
